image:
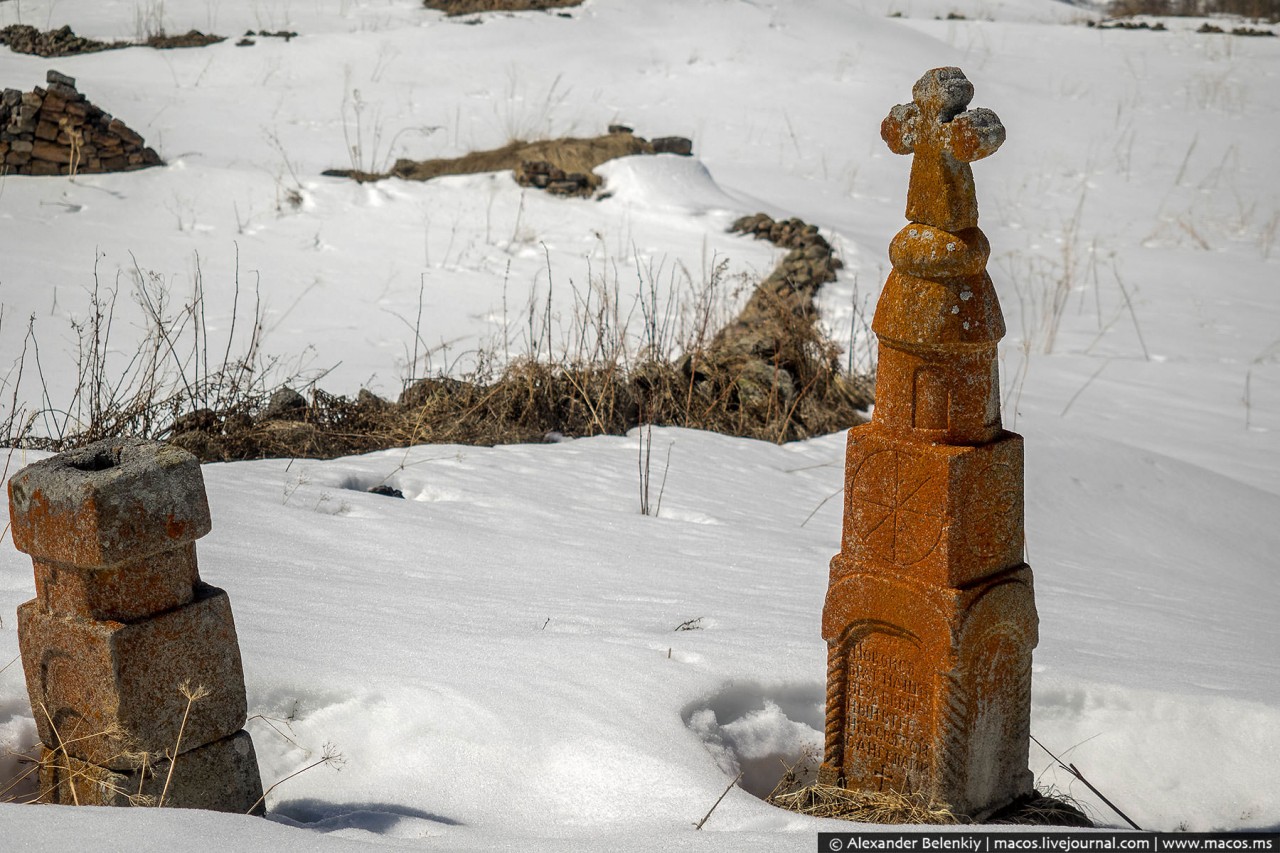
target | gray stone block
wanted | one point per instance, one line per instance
(110, 692)
(221, 776)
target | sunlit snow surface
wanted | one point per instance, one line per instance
(496, 656)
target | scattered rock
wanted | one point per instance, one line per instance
(386, 491)
(673, 145)
(1158, 26)
(285, 404)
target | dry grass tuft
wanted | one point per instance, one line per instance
(820, 800)
(1042, 809)
(467, 7)
(1266, 10)
(191, 38)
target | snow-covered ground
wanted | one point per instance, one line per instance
(495, 656)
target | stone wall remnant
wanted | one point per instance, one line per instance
(56, 131)
(930, 619)
(132, 663)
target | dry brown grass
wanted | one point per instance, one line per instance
(529, 400)
(864, 807)
(468, 7)
(770, 373)
(570, 154)
(1267, 10)
(191, 38)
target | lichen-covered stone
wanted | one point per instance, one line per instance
(221, 776)
(945, 140)
(930, 616)
(123, 592)
(108, 502)
(111, 693)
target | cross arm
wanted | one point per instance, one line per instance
(975, 134)
(900, 128)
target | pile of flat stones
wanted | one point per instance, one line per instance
(23, 38)
(56, 131)
(547, 176)
(809, 264)
(544, 176)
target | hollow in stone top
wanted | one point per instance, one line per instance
(944, 139)
(107, 502)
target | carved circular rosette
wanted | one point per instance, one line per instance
(896, 514)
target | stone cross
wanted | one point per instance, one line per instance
(929, 618)
(122, 631)
(945, 141)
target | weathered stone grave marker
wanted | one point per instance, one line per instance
(122, 632)
(930, 618)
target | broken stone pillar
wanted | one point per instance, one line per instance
(930, 618)
(132, 664)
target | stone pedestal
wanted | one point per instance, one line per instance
(930, 617)
(132, 664)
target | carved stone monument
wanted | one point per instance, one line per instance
(132, 664)
(930, 618)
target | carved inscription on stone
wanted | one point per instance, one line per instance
(890, 700)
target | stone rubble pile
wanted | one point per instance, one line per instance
(22, 38)
(810, 263)
(56, 131)
(544, 176)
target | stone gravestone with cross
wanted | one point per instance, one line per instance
(929, 618)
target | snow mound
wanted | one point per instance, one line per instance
(666, 182)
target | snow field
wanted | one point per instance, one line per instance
(495, 657)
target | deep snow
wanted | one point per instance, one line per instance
(495, 657)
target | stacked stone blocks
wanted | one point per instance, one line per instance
(56, 131)
(122, 633)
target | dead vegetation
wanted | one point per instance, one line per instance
(453, 8)
(889, 807)
(563, 166)
(864, 806)
(769, 373)
(798, 792)
(191, 38)
(1261, 10)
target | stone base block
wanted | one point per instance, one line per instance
(111, 694)
(221, 776)
(929, 690)
(125, 592)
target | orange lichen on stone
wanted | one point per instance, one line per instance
(122, 632)
(112, 690)
(930, 618)
(945, 139)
